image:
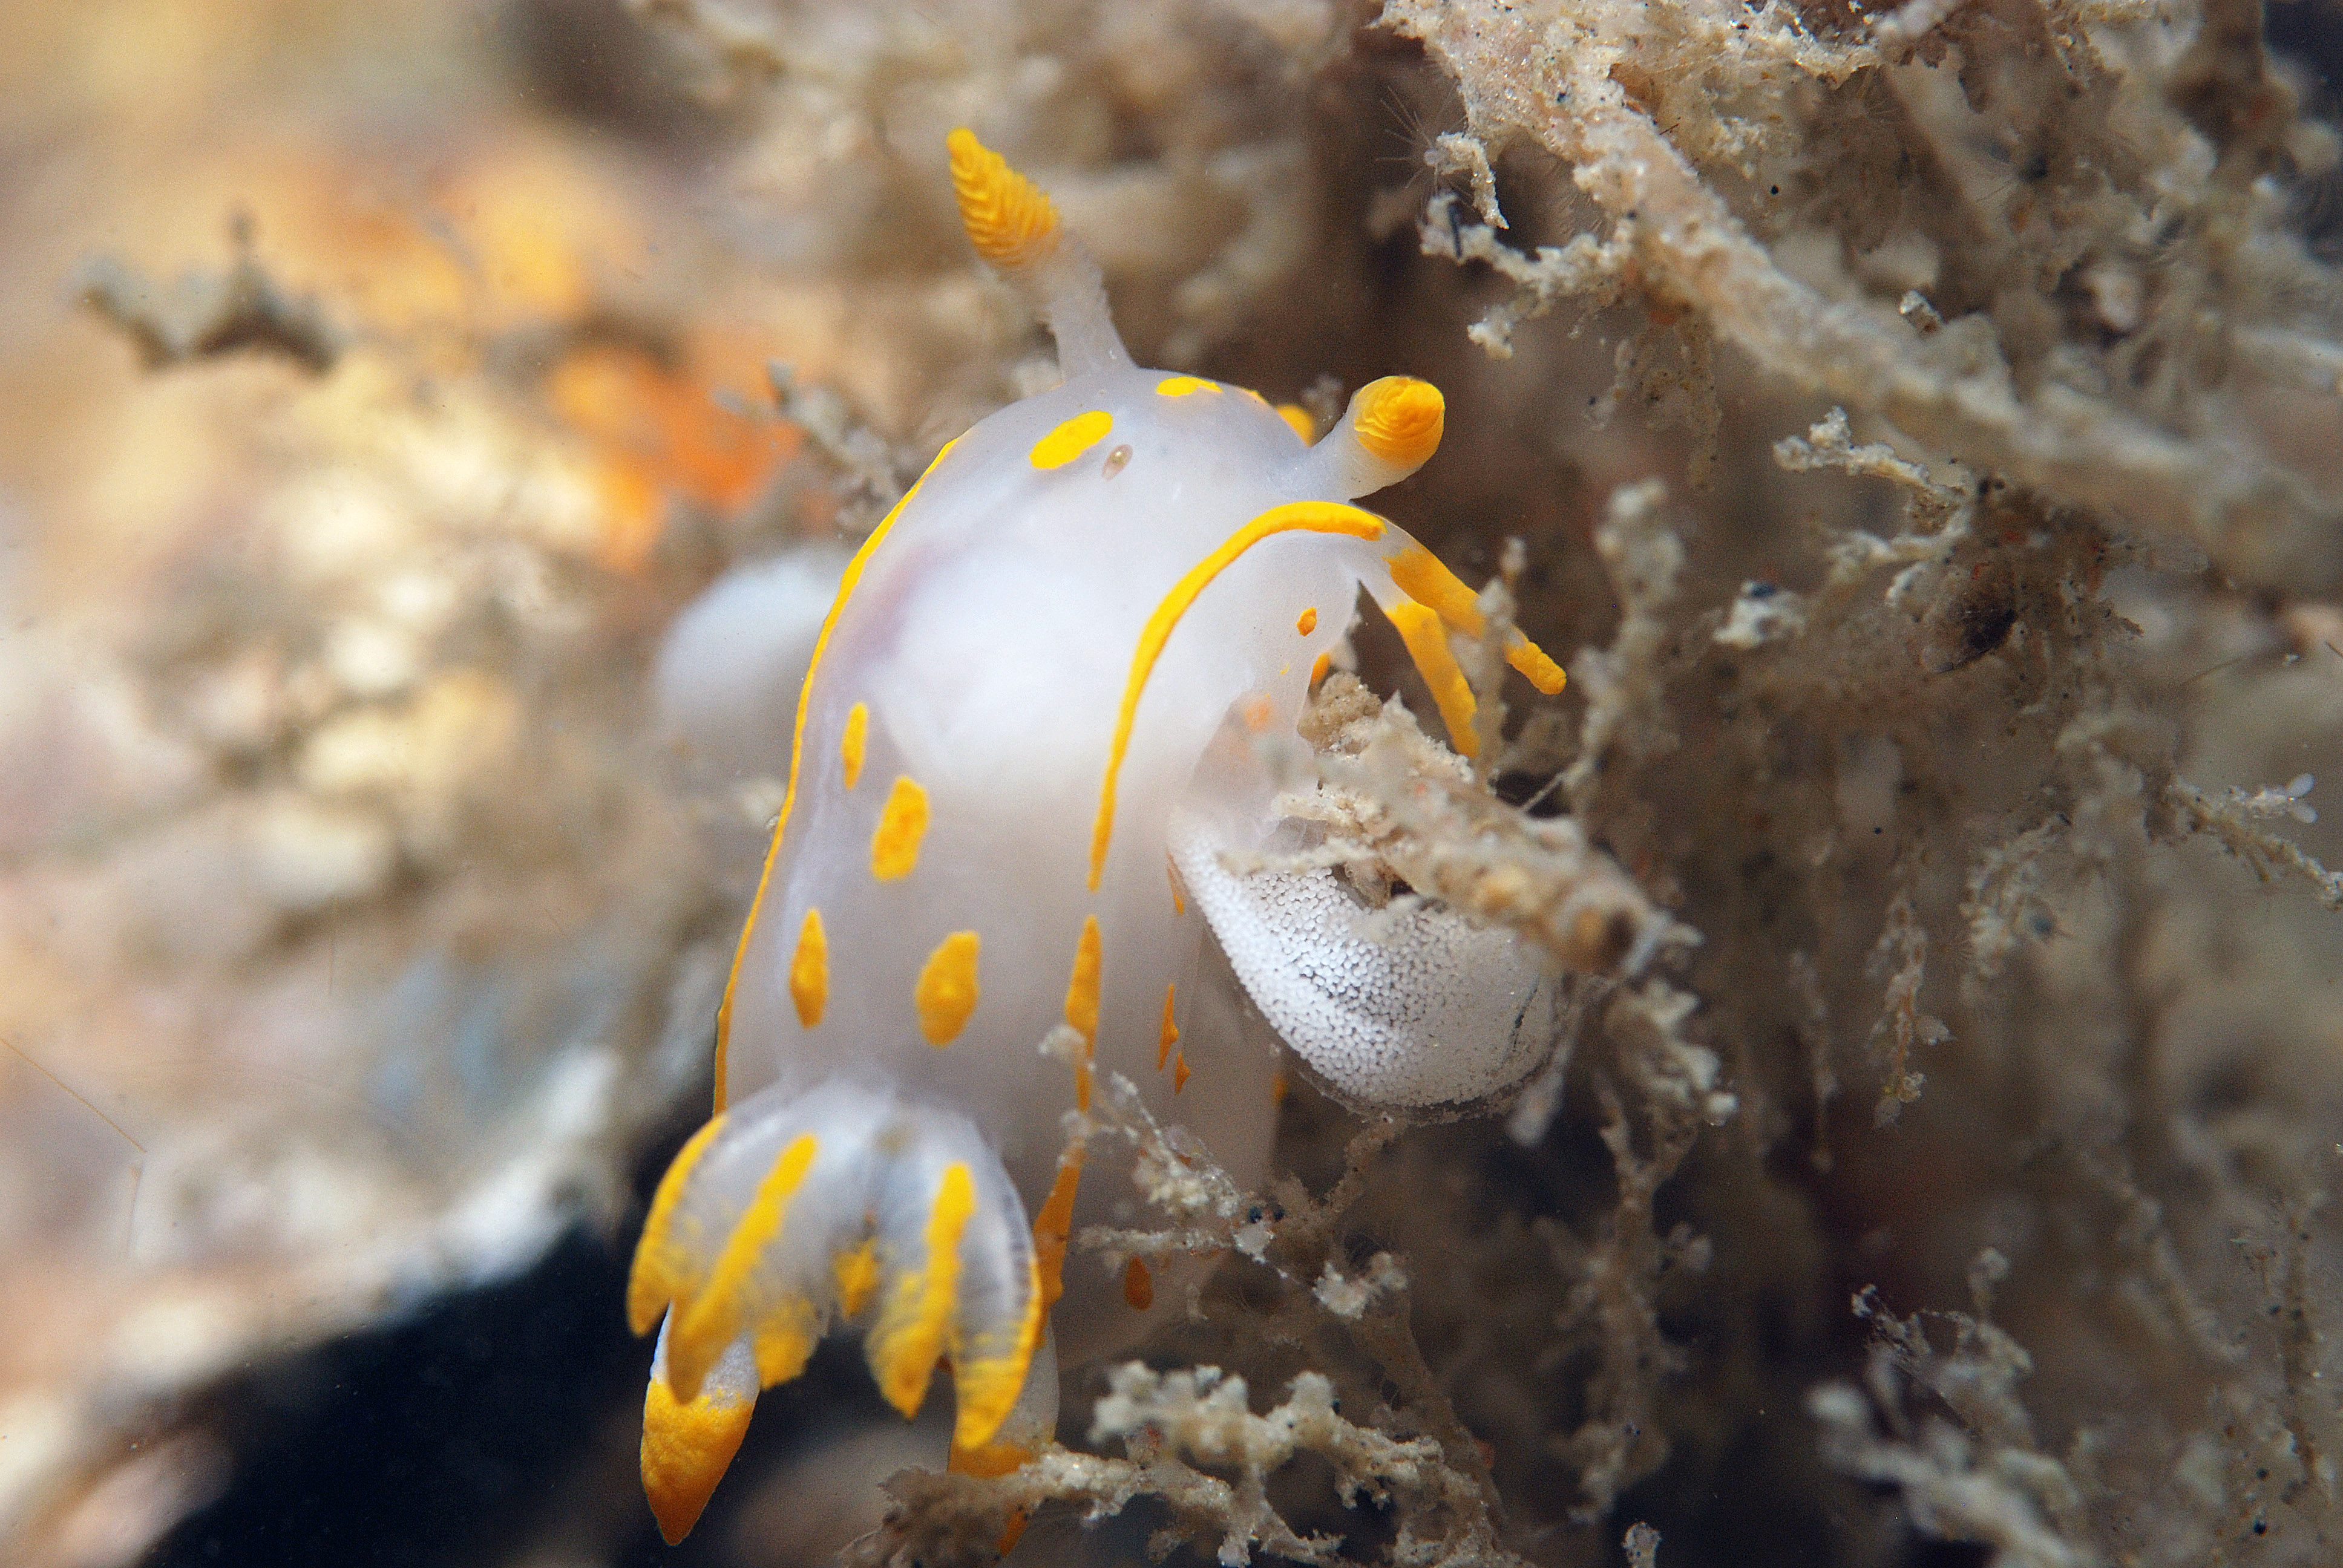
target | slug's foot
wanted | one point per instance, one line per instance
(785, 1215)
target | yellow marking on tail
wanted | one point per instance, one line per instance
(1294, 517)
(846, 585)
(1138, 1286)
(785, 1339)
(946, 993)
(1009, 220)
(985, 1386)
(855, 1271)
(809, 970)
(1421, 576)
(1073, 438)
(1179, 1072)
(1427, 643)
(914, 1330)
(1011, 1533)
(1181, 386)
(1054, 1225)
(1300, 419)
(850, 745)
(1172, 874)
(660, 1267)
(988, 1460)
(1170, 1036)
(686, 1450)
(712, 1319)
(1082, 989)
(1081, 1086)
(903, 823)
(1399, 419)
(1319, 665)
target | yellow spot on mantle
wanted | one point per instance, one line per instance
(809, 970)
(845, 586)
(903, 823)
(1009, 220)
(1181, 386)
(946, 994)
(1398, 419)
(1319, 665)
(1082, 989)
(1179, 1072)
(1295, 415)
(1170, 1034)
(1307, 622)
(1427, 643)
(914, 1327)
(850, 745)
(1073, 438)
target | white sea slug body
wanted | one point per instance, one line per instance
(1004, 743)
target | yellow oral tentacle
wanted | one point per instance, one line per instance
(1426, 639)
(1421, 576)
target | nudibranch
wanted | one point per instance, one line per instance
(1025, 755)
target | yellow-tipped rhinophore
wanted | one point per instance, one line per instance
(1399, 419)
(1009, 220)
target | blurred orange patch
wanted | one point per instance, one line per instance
(659, 433)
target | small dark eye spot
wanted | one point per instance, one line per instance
(1115, 460)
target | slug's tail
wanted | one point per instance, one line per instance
(786, 1215)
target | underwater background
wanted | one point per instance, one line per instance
(1922, 428)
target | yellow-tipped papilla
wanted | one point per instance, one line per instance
(784, 1329)
(662, 1259)
(915, 1327)
(687, 1444)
